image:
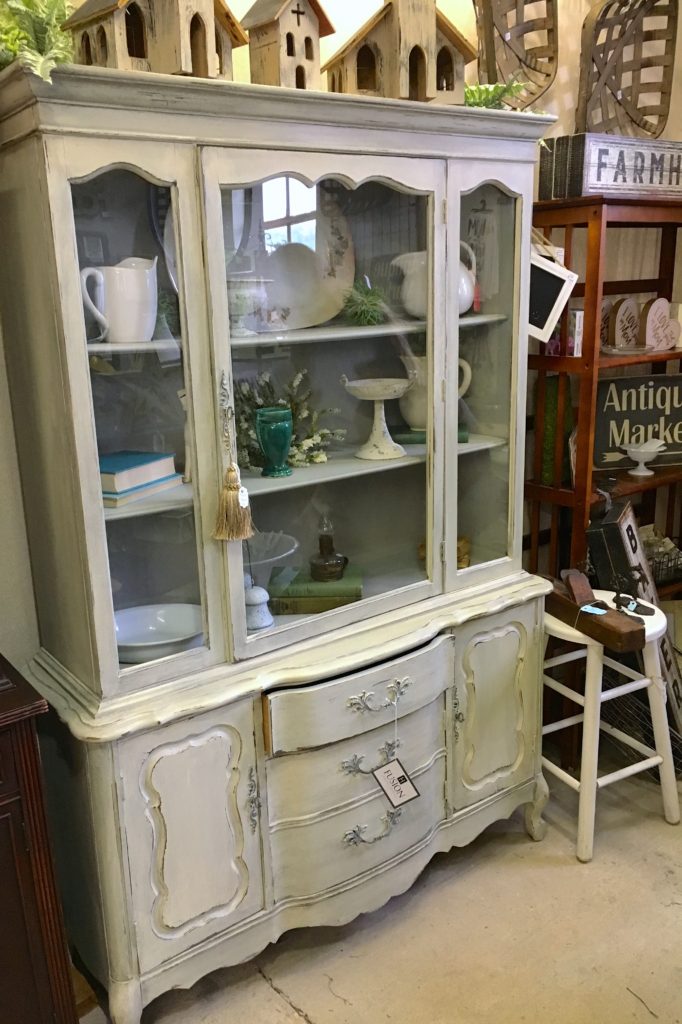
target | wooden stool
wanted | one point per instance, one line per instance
(590, 783)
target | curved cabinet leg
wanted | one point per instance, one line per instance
(125, 1002)
(535, 826)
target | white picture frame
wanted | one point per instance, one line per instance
(551, 285)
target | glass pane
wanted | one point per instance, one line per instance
(329, 311)
(486, 281)
(129, 284)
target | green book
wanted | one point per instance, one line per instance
(287, 582)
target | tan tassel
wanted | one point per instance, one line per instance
(233, 521)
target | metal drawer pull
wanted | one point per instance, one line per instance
(353, 765)
(394, 691)
(356, 836)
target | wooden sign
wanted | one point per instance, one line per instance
(632, 410)
(591, 164)
(624, 325)
(656, 330)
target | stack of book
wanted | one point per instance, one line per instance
(127, 476)
(296, 593)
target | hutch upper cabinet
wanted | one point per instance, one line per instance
(330, 293)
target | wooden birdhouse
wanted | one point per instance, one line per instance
(175, 37)
(284, 42)
(407, 50)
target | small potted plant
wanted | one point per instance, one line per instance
(30, 32)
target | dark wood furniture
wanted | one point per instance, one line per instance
(562, 544)
(35, 981)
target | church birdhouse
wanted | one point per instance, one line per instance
(407, 50)
(173, 37)
(284, 42)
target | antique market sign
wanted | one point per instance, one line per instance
(643, 167)
(632, 410)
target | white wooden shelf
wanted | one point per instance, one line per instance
(480, 319)
(346, 332)
(329, 332)
(104, 348)
(479, 443)
(338, 467)
(178, 497)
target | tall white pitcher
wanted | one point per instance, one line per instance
(124, 300)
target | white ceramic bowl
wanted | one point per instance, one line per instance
(267, 548)
(151, 631)
(377, 388)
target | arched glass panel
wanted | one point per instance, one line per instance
(131, 296)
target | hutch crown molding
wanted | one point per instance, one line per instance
(175, 248)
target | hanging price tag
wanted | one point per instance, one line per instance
(243, 497)
(396, 783)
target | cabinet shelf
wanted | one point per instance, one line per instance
(479, 443)
(626, 484)
(105, 348)
(637, 358)
(346, 332)
(178, 497)
(338, 467)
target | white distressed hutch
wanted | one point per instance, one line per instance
(209, 796)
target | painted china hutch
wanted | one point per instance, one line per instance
(179, 255)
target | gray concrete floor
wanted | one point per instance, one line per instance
(505, 931)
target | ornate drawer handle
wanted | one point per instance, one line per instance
(253, 800)
(394, 691)
(353, 765)
(356, 836)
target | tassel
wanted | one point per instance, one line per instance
(233, 521)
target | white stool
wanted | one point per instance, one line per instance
(590, 783)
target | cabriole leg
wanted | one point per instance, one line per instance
(532, 812)
(125, 1002)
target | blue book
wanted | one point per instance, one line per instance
(113, 499)
(121, 471)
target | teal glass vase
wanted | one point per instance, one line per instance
(274, 430)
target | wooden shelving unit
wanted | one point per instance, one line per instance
(563, 543)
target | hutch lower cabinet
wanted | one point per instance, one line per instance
(317, 302)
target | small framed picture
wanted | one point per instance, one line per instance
(92, 249)
(550, 289)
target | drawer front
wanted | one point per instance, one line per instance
(305, 786)
(310, 858)
(9, 785)
(313, 716)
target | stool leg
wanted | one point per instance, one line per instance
(657, 698)
(590, 752)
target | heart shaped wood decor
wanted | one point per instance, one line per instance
(624, 324)
(656, 330)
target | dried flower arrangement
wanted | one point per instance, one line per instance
(310, 439)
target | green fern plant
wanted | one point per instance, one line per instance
(30, 31)
(492, 96)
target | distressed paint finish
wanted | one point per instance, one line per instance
(187, 841)
(271, 63)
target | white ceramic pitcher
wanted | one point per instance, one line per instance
(414, 403)
(414, 290)
(125, 300)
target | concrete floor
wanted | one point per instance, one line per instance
(505, 931)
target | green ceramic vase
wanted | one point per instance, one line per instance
(274, 430)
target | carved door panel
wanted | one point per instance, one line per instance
(191, 809)
(496, 721)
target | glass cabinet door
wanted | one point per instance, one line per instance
(130, 285)
(328, 296)
(487, 286)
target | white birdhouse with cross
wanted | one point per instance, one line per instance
(284, 42)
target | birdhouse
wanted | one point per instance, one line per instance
(173, 37)
(284, 42)
(407, 50)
